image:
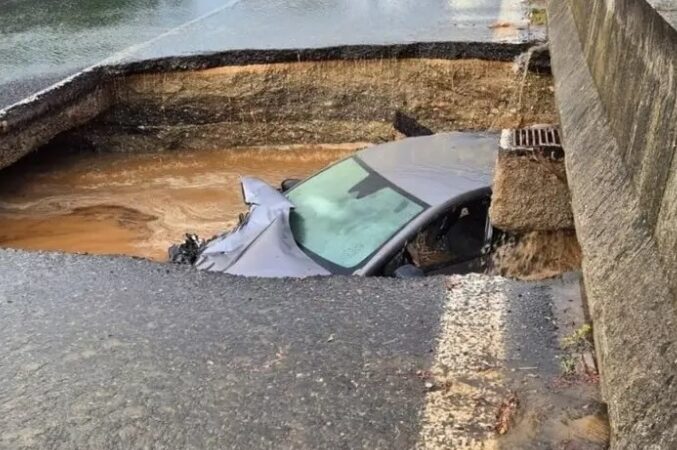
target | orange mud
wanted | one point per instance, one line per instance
(138, 204)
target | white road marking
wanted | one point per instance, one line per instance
(460, 407)
(119, 55)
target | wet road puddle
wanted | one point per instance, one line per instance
(138, 204)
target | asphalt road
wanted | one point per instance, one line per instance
(42, 42)
(117, 353)
(111, 352)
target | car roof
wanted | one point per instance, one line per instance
(436, 168)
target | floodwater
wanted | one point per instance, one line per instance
(42, 42)
(138, 204)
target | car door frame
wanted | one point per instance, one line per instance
(391, 248)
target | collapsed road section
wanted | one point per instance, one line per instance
(106, 135)
(116, 352)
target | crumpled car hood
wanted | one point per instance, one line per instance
(262, 246)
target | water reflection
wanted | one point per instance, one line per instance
(40, 38)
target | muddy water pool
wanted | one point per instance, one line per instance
(138, 204)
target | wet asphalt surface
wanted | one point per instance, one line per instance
(42, 42)
(119, 353)
(112, 352)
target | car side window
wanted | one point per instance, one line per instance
(453, 238)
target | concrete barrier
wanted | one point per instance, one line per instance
(614, 63)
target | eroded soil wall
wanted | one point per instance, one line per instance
(313, 102)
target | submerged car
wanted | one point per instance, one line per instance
(407, 208)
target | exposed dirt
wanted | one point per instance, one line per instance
(530, 193)
(538, 255)
(315, 102)
(532, 203)
(593, 428)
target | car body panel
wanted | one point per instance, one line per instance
(263, 245)
(436, 168)
(442, 170)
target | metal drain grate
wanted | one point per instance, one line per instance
(536, 137)
(541, 138)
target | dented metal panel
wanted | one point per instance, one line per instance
(263, 244)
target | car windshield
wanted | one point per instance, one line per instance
(345, 213)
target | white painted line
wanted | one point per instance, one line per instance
(134, 48)
(119, 55)
(470, 350)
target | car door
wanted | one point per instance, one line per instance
(454, 242)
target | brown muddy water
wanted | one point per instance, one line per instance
(138, 204)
